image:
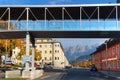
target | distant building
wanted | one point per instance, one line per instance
(52, 53)
(107, 55)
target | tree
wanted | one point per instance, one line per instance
(23, 52)
(10, 44)
(2, 51)
(11, 47)
(37, 55)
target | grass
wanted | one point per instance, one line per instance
(13, 79)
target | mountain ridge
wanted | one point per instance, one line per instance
(74, 52)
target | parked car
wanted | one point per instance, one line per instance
(93, 68)
(8, 62)
(68, 67)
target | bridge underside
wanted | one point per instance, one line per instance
(60, 34)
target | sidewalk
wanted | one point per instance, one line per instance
(114, 74)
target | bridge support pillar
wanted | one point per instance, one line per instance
(32, 39)
(33, 52)
(28, 39)
(27, 49)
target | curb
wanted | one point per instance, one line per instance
(109, 75)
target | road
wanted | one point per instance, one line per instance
(75, 74)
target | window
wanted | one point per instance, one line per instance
(50, 46)
(113, 50)
(45, 51)
(56, 51)
(55, 58)
(117, 50)
(57, 45)
(45, 58)
(40, 45)
(50, 51)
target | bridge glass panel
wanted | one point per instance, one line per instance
(66, 25)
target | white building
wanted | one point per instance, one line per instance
(52, 53)
(14, 55)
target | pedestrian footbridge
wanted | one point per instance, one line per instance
(60, 21)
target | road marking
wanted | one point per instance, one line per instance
(45, 77)
(57, 73)
(61, 73)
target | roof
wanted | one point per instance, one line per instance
(109, 43)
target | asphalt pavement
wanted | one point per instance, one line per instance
(75, 74)
(70, 74)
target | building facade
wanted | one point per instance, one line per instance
(52, 53)
(107, 55)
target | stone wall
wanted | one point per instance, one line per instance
(32, 74)
(13, 74)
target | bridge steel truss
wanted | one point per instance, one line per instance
(16, 15)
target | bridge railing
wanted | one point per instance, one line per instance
(61, 25)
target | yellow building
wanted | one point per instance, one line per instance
(52, 53)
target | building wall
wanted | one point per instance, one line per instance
(51, 52)
(109, 60)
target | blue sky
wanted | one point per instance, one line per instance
(42, 2)
(69, 42)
